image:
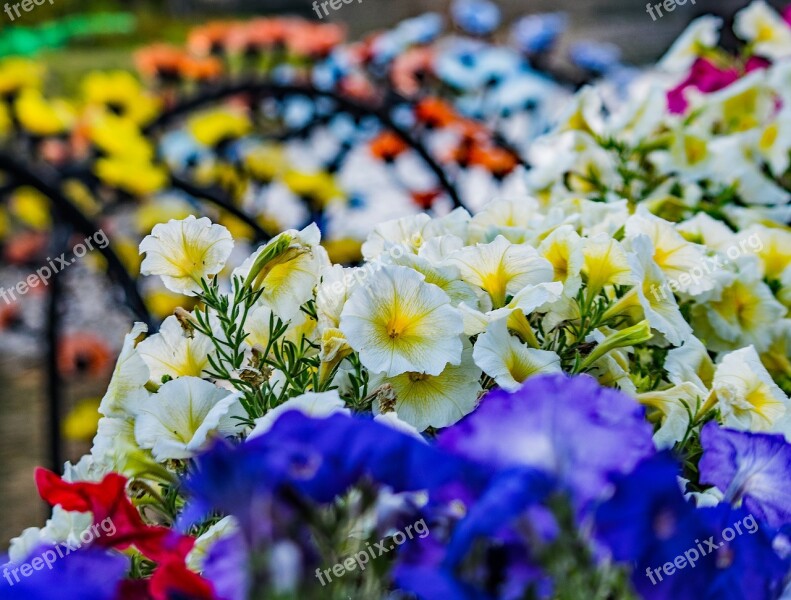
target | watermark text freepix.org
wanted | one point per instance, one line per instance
(668, 5)
(26, 5)
(56, 265)
(701, 549)
(334, 5)
(50, 556)
(372, 552)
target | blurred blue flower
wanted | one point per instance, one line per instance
(226, 567)
(476, 17)
(87, 574)
(649, 524)
(469, 65)
(534, 34)
(319, 459)
(595, 56)
(457, 64)
(422, 29)
(571, 428)
(751, 469)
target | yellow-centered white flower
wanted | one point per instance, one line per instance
(127, 385)
(760, 25)
(508, 361)
(181, 418)
(289, 278)
(748, 397)
(501, 268)
(398, 323)
(183, 252)
(438, 401)
(173, 352)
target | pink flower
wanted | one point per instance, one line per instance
(706, 77)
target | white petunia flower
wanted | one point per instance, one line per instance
(127, 385)
(184, 252)
(407, 233)
(605, 263)
(690, 362)
(760, 25)
(743, 313)
(399, 323)
(172, 352)
(701, 35)
(24, 544)
(501, 268)
(295, 261)
(438, 401)
(676, 405)
(179, 420)
(672, 253)
(748, 397)
(393, 421)
(316, 405)
(508, 361)
(563, 249)
(515, 220)
(655, 296)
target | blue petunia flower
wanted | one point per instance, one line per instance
(476, 17)
(535, 34)
(752, 469)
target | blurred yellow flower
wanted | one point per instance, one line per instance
(266, 162)
(20, 73)
(81, 424)
(213, 127)
(117, 136)
(152, 212)
(121, 94)
(138, 179)
(41, 116)
(320, 186)
(344, 251)
(31, 208)
(5, 120)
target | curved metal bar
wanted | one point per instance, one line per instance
(50, 187)
(281, 90)
(60, 237)
(210, 196)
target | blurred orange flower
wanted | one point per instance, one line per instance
(81, 353)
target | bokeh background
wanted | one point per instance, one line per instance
(23, 443)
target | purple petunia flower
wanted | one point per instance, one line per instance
(681, 552)
(753, 469)
(571, 428)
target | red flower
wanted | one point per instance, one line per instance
(174, 580)
(108, 500)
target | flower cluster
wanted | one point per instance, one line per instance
(571, 387)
